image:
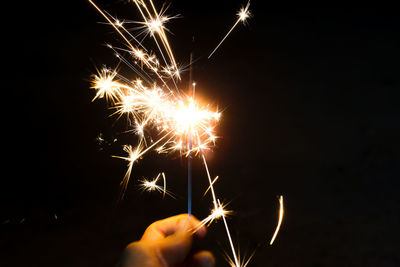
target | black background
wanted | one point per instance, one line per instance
(310, 111)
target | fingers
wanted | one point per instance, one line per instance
(164, 228)
(171, 239)
(201, 259)
(139, 254)
(175, 248)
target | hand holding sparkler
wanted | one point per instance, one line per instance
(166, 121)
(167, 243)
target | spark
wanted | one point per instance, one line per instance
(119, 23)
(208, 189)
(281, 211)
(243, 15)
(165, 120)
(217, 213)
(173, 116)
(105, 85)
(151, 185)
(134, 154)
(243, 262)
(144, 58)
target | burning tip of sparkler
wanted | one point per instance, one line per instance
(211, 184)
(243, 14)
(149, 185)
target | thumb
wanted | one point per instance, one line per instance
(176, 247)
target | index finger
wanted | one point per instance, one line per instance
(163, 228)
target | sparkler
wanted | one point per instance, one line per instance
(243, 15)
(178, 119)
(165, 119)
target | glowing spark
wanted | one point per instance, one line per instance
(119, 23)
(279, 221)
(174, 120)
(155, 24)
(216, 178)
(217, 213)
(242, 262)
(152, 185)
(105, 85)
(243, 15)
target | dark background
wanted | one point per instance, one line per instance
(310, 99)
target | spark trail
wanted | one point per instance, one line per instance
(243, 15)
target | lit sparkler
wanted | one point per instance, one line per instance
(242, 16)
(177, 119)
(177, 122)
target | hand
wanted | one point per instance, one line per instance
(167, 243)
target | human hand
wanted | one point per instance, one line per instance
(167, 243)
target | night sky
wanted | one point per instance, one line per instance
(310, 111)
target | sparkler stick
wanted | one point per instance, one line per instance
(151, 185)
(190, 177)
(143, 57)
(243, 14)
(134, 155)
(190, 144)
(156, 25)
(211, 184)
(243, 261)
